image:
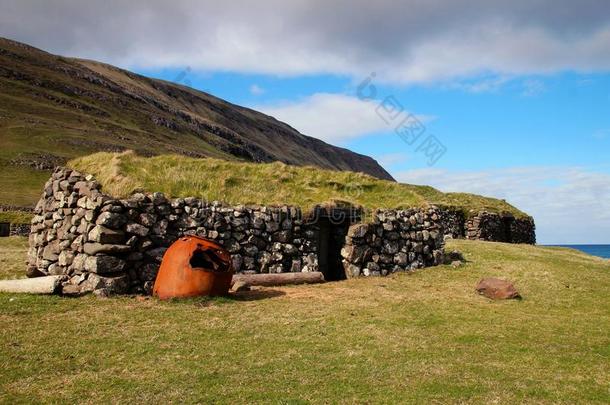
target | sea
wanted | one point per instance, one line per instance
(595, 250)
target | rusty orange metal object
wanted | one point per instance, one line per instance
(193, 266)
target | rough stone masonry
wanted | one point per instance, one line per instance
(106, 245)
(489, 226)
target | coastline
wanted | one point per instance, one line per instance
(598, 250)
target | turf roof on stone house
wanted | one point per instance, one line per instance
(270, 184)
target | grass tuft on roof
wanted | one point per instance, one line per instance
(276, 183)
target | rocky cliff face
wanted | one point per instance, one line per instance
(82, 106)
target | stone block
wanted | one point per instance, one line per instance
(111, 220)
(102, 264)
(104, 235)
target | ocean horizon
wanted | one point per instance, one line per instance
(594, 250)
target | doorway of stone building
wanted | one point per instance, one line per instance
(506, 225)
(333, 228)
(5, 229)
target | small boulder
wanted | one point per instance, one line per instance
(351, 270)
(72, 290)
(111, 220)
(102, 264)
(101, 293)
(103, 235)
(497, 289)
(401, 259)
(137, 229)
(32, 272)
(66, 258)
(356, 253)
(358, 230)
(51, 251)
(108, 285)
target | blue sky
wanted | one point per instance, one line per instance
(518, 93)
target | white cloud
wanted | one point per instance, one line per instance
(485, 85)
(331, 117)
(408, 41)
(256, 90)
(569, 204)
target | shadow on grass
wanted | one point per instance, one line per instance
(255, 295)
(242, 296)
(453, 256)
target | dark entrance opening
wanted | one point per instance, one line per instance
(5, 229)
(506, 224)
(333, 228)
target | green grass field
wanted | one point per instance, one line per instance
(424, 337)
(13, 253)
(268, 184)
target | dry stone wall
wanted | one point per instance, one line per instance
(453, 222)
(116, 245)
(501, 228)
(523, 230)
(488, 226)
(15, 229)
(396, 240)
(20, 229)
(106, 245)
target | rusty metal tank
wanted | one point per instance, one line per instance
(194, 266)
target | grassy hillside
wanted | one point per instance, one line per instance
(16, 217)
(274, 183)
(419, 338)
(54, 108)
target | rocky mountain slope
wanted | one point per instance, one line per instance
(54, 108)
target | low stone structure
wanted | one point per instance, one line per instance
(396, 240)
(14, 229)
(501, 228)
(115, 245)
(20, 229)
(453, 222)
(106, 245)
(488, 226)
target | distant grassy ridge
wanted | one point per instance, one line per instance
(267, 184)
(16, 217)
